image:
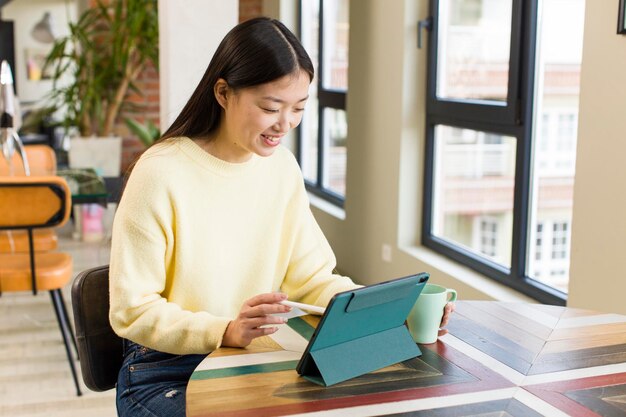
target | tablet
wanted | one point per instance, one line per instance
(363, 330)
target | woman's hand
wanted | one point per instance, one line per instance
(255, 312)
(447, 312)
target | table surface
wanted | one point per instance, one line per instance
(500, 359)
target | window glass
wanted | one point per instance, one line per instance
(323, 133)
(335, 135)
(539, 242)
(474, 49)
(489, 236)
(501, 163)
(336, 44)
(308, 139)
(309, 36)
(559, 53)
(474, 180)
(309, 31)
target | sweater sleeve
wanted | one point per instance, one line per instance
(140, 256)
(310, 276)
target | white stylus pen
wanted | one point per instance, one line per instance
(307, 307)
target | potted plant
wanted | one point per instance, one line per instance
(147, 133)
(103, 55)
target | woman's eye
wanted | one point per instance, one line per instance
(270, 110)
(298, 110)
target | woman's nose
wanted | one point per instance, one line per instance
(283, 124)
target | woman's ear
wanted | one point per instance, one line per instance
(221, 90)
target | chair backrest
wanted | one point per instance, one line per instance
(41, 159)
(100, 349)
(34, 202)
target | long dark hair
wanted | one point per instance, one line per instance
(254, 52)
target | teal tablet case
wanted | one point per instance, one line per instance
(361, 331)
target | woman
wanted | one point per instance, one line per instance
(214, 227)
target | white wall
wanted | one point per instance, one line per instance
(190, 32)
(597, 272)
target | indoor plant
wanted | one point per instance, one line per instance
(147, 133)
(104, 53)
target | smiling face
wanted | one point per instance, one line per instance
(255, 119)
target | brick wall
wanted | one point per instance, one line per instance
(148, 102)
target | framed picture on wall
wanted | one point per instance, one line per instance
(621, 18)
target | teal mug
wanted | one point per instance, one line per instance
(425, 316)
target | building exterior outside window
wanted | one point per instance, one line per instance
(502, 116)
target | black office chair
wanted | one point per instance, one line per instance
(100, 349)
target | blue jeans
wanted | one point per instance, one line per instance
(152, 383)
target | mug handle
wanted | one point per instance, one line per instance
(450, 295)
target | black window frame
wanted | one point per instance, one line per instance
(513, 119)
(327, 98)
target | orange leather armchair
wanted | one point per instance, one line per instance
(27, 204)
(42, 161)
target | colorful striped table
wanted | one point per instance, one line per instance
(500, 359)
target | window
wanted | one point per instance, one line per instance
(551, 262)
(489, 236)
(322, 150)
(560, 240)
(502, 116)
(539, 242)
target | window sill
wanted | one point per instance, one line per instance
(327, 207)
(488, 288)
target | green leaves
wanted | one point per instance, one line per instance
(102, 56)
(147, 133)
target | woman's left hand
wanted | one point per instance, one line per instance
(447, 312)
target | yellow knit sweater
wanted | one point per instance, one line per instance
(195, 236)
